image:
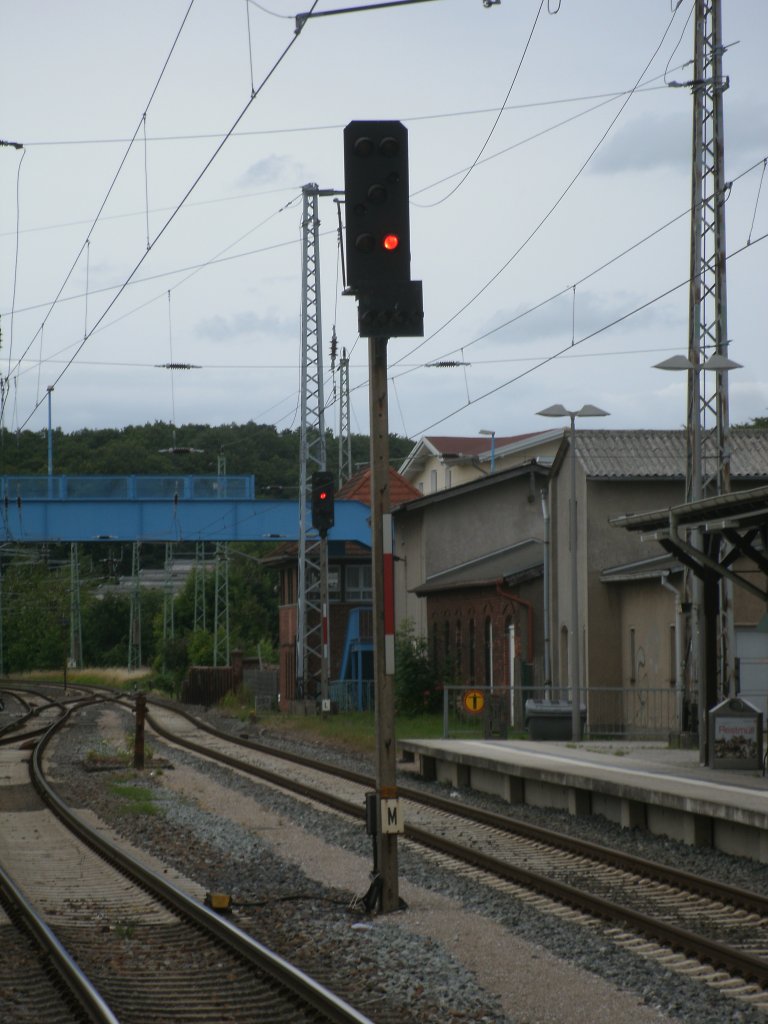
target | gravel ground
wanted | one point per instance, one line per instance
(459, 953)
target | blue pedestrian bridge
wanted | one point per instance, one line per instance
(47, 509)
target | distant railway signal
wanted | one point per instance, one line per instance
(322, 502)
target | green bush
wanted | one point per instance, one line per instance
(417, 691)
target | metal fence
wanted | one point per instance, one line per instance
(471, 712)
(352, 694)
(612, 712)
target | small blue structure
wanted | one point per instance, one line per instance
(356, 662)
(49, 509)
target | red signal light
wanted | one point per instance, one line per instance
(390, 242)
(323, 495)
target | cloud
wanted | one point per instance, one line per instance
(561, 319)
(650, 144)
(271, 170)
(239, 325)
(664, 143)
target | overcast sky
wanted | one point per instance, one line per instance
(104, 277)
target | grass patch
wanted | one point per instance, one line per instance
(107, 755)
(110, 678)
(353, 730)
(135, 799)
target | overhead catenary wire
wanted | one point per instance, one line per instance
(543, 220)
(587, 337)
(410, 368)
(178, 207)
(110, 188)
(495, 124)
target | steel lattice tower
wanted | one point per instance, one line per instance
(345, 436)
(312, 455)
(134, 627)
(221, 609)
(711, 673)
(199, 613)
(75, 612)
(709, 455)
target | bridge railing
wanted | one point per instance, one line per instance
(126, 488)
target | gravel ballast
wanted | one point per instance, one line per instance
(460, 952)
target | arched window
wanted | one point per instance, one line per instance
(471, 652)
(488, 651)
(564, 659)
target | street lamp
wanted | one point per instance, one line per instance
(492, 435)
(585, 410)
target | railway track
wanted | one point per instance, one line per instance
(119, 942)
(701, 928)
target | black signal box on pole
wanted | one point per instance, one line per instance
(378, 240)
(322, 502)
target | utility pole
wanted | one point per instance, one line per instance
(389, 821)
(389, 304)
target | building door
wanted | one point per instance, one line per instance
(752, 661)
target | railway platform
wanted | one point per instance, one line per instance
(644, 785)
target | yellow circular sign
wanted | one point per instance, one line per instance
(473, 701)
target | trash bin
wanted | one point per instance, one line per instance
(551, 719)
(496, 716)
(735, 735)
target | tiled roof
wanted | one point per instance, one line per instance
(612, 454)
(358, 488)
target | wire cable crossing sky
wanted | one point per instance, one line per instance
(164, 153)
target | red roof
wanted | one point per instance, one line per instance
(475, 445)
(358, 488)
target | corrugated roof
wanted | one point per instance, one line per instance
(612, 454)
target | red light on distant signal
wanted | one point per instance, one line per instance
(390, 242)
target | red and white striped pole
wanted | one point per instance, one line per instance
(388, 562)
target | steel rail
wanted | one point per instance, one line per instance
(315, 995)
(77, 983)
(751, 901)
(745, 965)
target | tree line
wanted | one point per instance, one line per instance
(38, 606)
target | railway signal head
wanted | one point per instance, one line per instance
(322, 502)
(378, 244)
(377, 211)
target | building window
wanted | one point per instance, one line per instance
(334, 583)
(632, 656)
(565, 660)
(488, 652)
(432, 481)
(357, 580)
(471, 651)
